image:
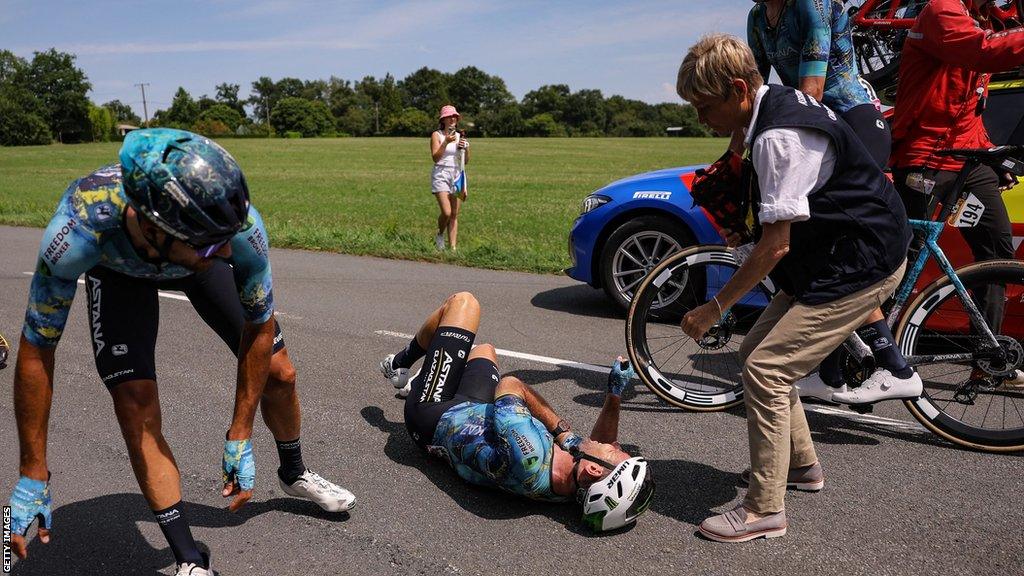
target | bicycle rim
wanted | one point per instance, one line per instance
(982, 413)
(700, 375)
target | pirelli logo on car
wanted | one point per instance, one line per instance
(651, 195)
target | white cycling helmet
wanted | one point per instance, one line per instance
(619, 498)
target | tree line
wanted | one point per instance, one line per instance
(45, 99)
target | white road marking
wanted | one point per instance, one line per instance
(182, 297)
(521, 355)
(170, 295)
(817, 408)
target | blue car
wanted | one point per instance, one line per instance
(627, 227)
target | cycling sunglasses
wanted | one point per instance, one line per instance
(577, 456)
(210, 249)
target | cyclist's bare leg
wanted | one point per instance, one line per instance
(280, 403)
(137, 406)
(460, 310)
(483, 351)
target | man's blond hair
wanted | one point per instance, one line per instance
(712, 64)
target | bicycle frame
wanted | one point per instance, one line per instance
(929, 233)
(890, 21)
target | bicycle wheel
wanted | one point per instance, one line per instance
(878, 57)
(877, 44)
(696, 375)
(976, 403)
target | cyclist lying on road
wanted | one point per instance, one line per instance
(499, 432)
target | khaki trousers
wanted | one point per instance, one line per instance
(785, 344)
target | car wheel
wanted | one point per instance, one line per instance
(633, 250)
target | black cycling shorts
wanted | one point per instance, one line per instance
(124, 315)
(478, 382)
(873, 131)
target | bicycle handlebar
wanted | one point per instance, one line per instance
(1009, 158)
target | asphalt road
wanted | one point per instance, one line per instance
(897, 500)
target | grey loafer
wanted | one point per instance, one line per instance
(732, 526)
(807, 478)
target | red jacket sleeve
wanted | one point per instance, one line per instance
(946, 31)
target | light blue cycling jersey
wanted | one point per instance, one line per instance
(812, 38)
(498, 445)
(87, 230)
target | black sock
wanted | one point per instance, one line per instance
(409, 355)
(830, 371)
(878, 336)
(290, 454)
(175, 528)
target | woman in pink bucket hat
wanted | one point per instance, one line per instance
(450, 152)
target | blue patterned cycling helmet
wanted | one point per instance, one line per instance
(184, 183)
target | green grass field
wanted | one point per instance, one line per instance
(372, 195)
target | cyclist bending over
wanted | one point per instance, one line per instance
(500, 433)
(162, 219)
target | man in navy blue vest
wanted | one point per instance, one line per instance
(834, 238)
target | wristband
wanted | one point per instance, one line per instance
(570, 442)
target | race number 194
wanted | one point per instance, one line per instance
(7, 540)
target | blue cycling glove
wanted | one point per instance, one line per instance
(238, 465)
(30, 500)
(620, 376)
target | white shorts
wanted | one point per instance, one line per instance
(442, 179)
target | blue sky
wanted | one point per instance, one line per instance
(627, 48)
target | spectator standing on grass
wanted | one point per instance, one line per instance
(449, 149)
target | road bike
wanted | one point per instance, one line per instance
(879, 27)
(972, 369)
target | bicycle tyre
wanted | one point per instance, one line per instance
(878, 58)
(704, 390)
(936, 413)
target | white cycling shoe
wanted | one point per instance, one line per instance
(812, 386)
(189, 569)
(399, 377)
(316, 488)
(882, 385)
(1015, 381)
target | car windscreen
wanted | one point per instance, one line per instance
(1004, 116)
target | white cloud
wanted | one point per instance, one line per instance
(668, 92)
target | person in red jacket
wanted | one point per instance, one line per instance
(947, 60)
